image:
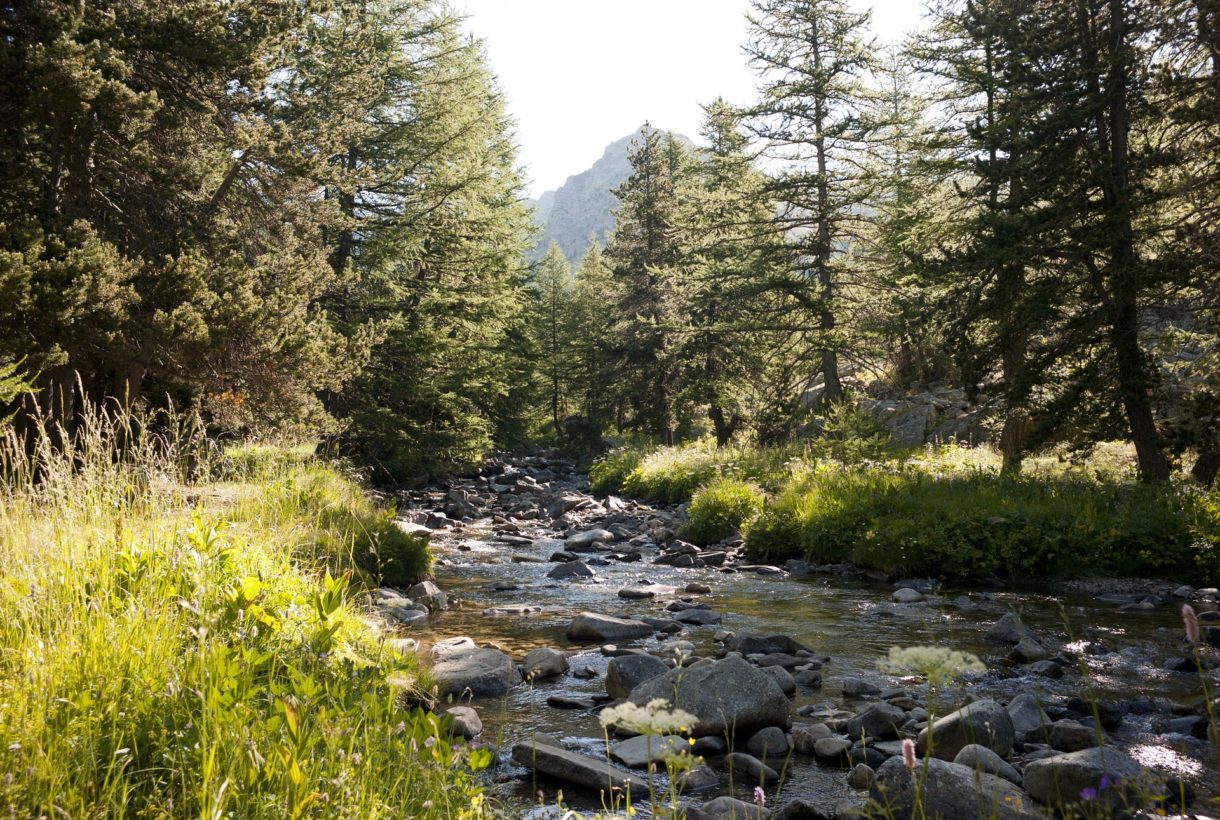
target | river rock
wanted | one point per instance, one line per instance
(459, 665)
(697, 617)
(771, 644)
(881, 721)
(428, 594)
(782, 676)
(859, 688)
(1029, 721)
(590, 627)
(696, 588)
(728, 808)
(769, 744)
(627, 672)
(1070, 736)
(861, 776)
(638, 752)
(698, 779)
(984, 722)
(591, 773)
(750, 769)
(1029, 650)
(725, 696)
(544, 662)
(804, 737)
(637, 593)
(982, 759)
(586, 539)
(1008, 629)
(948, 790)
(831, 748)
(906, 595)
(1059, 780)
(570, 569)
(466, 722)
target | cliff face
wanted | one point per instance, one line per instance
(583, 206)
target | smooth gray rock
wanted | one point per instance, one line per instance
(728, 808)
(1008, 629)
(544, 662)
(906, 595)
(459, 665)
(750, 769)
(948, 790)
(588, 538)
(571, 569)
(1028, 718)
(725, 696)
(880, 721)
(591, 773)
(466, 722)
(770, 743)
(1060, 779)
(627, 672)
(698, 779)
(428, 594)
(1070, 736)
(982, 759)
(783, 677)
(697, 617)
(804, 737)
(859, 688)
(1029, 650)
(984, 722)
(638, 752)
(831, 748)
(590, 627)
(861, 776)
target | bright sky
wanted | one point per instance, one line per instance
(579, 74)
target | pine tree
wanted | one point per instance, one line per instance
(591, 331)
(552, 286)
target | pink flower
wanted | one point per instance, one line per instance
(908, 753)
(1192, 623)
(760, 796)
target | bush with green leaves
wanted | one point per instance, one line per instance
(607, 474)
(719, 509)
(980, 524)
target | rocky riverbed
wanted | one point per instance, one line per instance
(550, 605)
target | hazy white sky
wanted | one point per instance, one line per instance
(579, 74)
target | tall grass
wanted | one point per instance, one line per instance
(170, 649)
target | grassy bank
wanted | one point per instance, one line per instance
(174, 650)
(942, 511)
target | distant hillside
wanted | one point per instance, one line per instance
(583, 206)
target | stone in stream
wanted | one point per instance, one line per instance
(512, 610)
(770, 743)
(466, 722)
(982, 759)
(1061, 779)
(1070, 736)
(697, 617)
(1029, 650)
(638, 752)
(948, 790)
(586, 539)
(728, 808)
(861, 776)
(804, 737)
(698, 779)
(881, 721)
(696, 588)
(724, 696)
(783, 677)
(1008, 629)
(769, 645)
(749, 769)
(1029, 720)
(528, 559)
(859, 688)
(590, 627)
(571, 569)
(832, 749)
(906, 595)
(637, 593)
(625, 673)
(984, 722)
(810, 679)
(544, 662)
(591, 773)
(571, 702)
(459, 665)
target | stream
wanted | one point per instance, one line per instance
(1112, 639)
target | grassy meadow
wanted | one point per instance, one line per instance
(202, 649)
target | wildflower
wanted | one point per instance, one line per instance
(760, 797)
(652, 718)
(429, 743)
(1191, 620)
(908, 753)
(1088, 793)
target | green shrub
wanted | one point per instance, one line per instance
(719, 509)
(607, 474)
(981, 524)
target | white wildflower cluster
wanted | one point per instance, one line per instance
(654, 718)
(936, 663)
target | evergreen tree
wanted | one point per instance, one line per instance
(591, 329)
(552, 285)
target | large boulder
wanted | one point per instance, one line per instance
(948, 790)
(983, 759)
(1065, 778)
(571, 569)
(1009, 629)
(590, 627)
(725, 696)
(586, 539)
(627, 672)
(984, 722)
(591, 773)
(459, 665)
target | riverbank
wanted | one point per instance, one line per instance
(525, 549)
(204, 648)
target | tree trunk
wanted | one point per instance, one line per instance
(1206, 467)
